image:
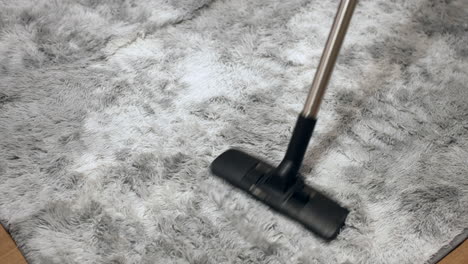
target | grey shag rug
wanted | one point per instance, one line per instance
(111, 112)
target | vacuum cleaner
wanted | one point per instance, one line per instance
(282, 187)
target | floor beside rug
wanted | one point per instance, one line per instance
(9, 253)
(458, 255)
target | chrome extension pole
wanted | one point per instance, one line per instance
(328, 59)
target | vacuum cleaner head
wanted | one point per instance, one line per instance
(300, 202)
(282, 188)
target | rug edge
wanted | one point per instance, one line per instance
(446, 249)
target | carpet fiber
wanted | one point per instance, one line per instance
(111, 112)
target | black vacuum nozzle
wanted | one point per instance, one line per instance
(300, 202)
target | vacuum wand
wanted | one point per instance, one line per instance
(289, 167)
(328, 59)
(281, 187)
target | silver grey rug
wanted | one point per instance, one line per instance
(111, 112)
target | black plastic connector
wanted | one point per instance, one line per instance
(287, 171)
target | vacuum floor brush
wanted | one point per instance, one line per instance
(281, 187)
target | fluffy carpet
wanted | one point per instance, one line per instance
(111, 112)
